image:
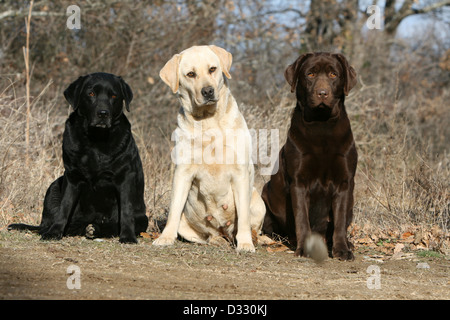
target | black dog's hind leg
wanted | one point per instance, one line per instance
(58, 205)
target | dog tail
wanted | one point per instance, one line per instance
(315, 248)
(23, 227)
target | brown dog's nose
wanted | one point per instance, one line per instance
(208, 92)
(322, 93)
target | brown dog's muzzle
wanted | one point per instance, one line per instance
(321, 94)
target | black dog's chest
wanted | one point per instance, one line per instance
(90, 165)
(95, 156)
(95, 160)
(97, 166)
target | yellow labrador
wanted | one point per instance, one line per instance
(212, 193)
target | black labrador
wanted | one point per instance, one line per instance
(101, 193)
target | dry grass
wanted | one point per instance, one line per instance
(402, 181)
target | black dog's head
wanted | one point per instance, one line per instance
(99, 98)
(321, 80)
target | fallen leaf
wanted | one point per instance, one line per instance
(387, 245)
(145, 235)
(365, 240)
(398, 254)
(277, 248)
(407, 235)
(398, 247)
(151, 235)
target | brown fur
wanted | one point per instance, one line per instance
(312, 192)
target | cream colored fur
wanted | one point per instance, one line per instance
(210, 199)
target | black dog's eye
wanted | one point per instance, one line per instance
(191, 74)
(212, 69)
(114, 96)
(92, 93)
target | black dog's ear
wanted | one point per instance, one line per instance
(72, 93)
(291, 73)
(349, 73)
(126, 93)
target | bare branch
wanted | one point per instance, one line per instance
(407, 10)
(20, 13)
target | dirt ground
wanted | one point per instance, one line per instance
(32, 269)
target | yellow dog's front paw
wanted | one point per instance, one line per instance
(245, 247)
(164, 241)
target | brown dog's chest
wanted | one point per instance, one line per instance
(321, 159)
(325, 172)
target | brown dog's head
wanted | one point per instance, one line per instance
(321, 81)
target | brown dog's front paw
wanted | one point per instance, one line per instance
(300, 252)
(343, 254)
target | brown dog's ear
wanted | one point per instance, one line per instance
(291, 72)
(169, 73)
(225, 59)
(349, 73)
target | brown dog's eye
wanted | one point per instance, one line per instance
(333, 75)
(212, 69)
(310, 74)
(191, 74)
(92, 93)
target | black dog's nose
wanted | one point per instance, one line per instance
(102, 114)
(208, 92)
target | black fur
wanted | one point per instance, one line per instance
(101, 193)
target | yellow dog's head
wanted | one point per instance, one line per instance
(197, 76)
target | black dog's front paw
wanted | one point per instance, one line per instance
(54, 235)
(128, 239)
(55, 232)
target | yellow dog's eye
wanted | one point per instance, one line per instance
(191, 74)
(92, 93)
(212, 69)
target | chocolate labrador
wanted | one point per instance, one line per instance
(312, 192)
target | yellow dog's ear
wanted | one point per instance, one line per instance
(169, 73)
(225, 59)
